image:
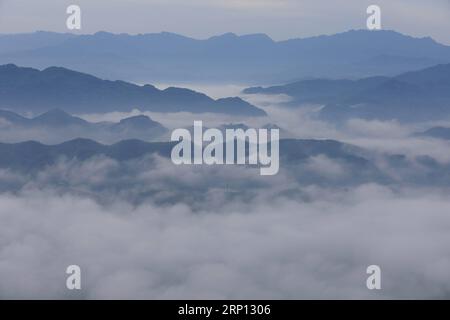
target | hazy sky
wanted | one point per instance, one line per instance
(280, 19)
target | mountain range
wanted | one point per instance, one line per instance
(138, 171)
(436, 132)
(56, 126)
(31, 90)
(412, 96)
(33, 156)
(303, 160)
(254, 58)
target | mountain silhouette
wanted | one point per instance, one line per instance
(58, 118)
(436, 132)
(32, 155)
(421, 95)
(254, 58)
(31, 90)
(56, 126)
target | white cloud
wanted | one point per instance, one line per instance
(281, 249)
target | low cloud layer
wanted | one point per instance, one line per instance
(281, 249)
(219, 232)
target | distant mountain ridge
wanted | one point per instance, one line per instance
(421, 95)
(18, 155)
(254, 58)
(56, 126)
(436, 132)
(31, 90)
(297, 159)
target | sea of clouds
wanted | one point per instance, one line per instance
(147, 229)
(280, 248)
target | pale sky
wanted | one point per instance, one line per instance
(280, 19)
